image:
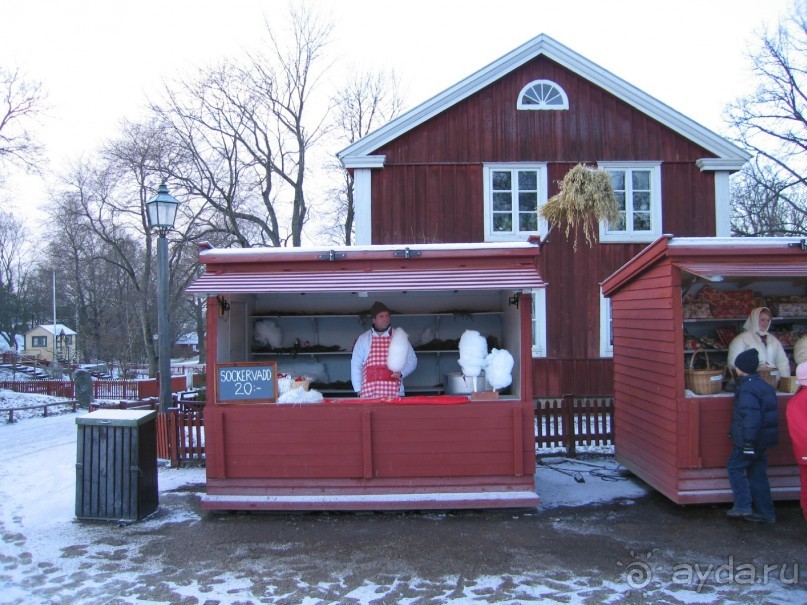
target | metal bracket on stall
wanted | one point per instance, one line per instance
(801, 244)
(332, 255)
(406, 253)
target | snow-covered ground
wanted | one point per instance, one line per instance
(47, 556)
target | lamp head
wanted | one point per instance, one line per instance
(162, 209)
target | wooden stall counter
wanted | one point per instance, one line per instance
(420, 452)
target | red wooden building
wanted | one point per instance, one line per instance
(673, 438)
(474, 163)
(447, 199)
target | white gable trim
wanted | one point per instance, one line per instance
(362, 206)
(544, 45)
(366, 161)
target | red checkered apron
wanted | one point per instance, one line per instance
(377, 380)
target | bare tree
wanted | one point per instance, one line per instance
(242, 133)
(772, 123)
(759, 209)
(367, 101)
(15, 271)
(94, 296)
(22, 103)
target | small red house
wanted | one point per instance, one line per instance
(673, 438)
(476, 162)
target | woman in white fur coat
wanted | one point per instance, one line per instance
(800, 350)
(755, 336)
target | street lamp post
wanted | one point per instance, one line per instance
(162, 211)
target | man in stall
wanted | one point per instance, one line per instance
(382, 357)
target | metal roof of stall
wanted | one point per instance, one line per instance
(417, 267)
(713, 258)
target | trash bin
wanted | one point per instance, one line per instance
(116, 464)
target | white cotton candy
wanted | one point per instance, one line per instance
(499, 369)
(268, 333)
(398, 350)
(473, 353)
(284, 383)
(300, 396)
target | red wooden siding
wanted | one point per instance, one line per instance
(647, 325)
(431, 190)
(372, 441)
(372, 456)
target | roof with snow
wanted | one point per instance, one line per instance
(55, 329)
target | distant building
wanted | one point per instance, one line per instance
(40, 342)
(186, 345)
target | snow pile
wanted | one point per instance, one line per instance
(499, 368)
(473, 353)
(11, 399)
(398, 349)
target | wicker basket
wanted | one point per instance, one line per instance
(788, 384)
(703, 382)
(771, 378)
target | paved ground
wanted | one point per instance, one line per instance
(624, 550)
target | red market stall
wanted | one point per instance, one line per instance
(682, 298)
(298, 312)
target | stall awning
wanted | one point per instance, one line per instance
(715, 270)
(512, 278)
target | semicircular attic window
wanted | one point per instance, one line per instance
(542, 94)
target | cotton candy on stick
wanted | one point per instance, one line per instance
(398, 349)
(499, 369)
(473, 353)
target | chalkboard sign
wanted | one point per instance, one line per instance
(254, 382)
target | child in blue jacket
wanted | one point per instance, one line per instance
(754, 428)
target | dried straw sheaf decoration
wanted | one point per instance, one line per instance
(586, 197)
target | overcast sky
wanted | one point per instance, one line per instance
(100, 60)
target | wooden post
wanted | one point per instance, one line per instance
(567, 412)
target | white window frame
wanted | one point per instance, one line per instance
(629, 235)
(509, 236)
(539, 322)
(542, 105)
(606, 327)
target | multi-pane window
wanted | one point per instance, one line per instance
(39, 341)
(513, 194)
(542, 95)
(638, 193)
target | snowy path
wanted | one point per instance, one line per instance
(582, 546)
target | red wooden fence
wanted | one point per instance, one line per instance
(180, 431)
(570, 421)
(101, 389)
(56, 388)
(186, 433)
